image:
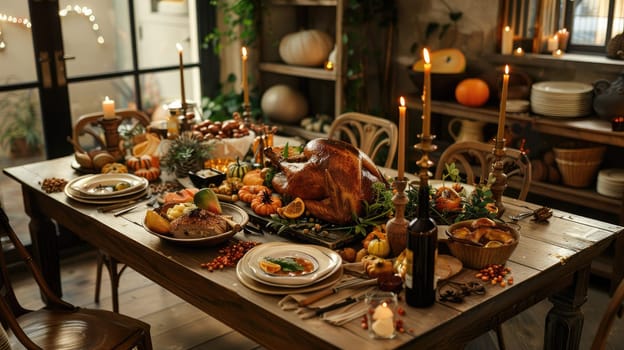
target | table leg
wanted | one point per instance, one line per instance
(564, 322)
(44, 242)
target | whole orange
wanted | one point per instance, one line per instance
(472, 92)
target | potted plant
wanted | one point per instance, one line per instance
(21, 134)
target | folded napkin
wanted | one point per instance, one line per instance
(291, 301)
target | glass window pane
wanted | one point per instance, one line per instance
(87, 97)
(160, 28)
(16, 45)
(97, 34)
(164, 87)
(618, 18)
(591, 18)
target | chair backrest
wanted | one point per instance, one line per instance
(474, 160)
(600, 339)
(84, 123)
(372, 135)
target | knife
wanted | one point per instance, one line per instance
(329, 291)
(320, 311)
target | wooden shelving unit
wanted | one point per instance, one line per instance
(270, 63)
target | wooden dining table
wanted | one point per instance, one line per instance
(552, 260)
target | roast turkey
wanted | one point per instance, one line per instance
(332, 177)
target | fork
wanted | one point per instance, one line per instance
(521, 216)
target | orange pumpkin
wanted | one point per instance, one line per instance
(265, 204)
(248, 192)
(135, 163)
(150, 174)
(472, 92)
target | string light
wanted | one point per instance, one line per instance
(87, 13)
(76, 9)
(21, 21)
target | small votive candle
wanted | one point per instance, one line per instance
(557, 53)
(329, 65)
(617, 124)
(518, 52)
(381, 314)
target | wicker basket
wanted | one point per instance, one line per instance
(479, 257)
(579, 166)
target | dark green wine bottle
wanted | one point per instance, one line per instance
(422, 245)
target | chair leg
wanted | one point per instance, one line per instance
(114, 272)
(98, 278)
(499, 336)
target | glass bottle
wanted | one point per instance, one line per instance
(422, 245)
(173, 123)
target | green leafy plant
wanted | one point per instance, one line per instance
(185, 153)
(240, 18)
(22, 121)
(227, 101)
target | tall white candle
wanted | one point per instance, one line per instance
(426, 125)
(401, 161)
(183, 97)
(244, 78)
(503, 106)
(108, 108)
(507, 41)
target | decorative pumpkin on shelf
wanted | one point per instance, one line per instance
(472, 92)
(306, 48)
(281, 103)
(449, 61)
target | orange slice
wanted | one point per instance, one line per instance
(156, 223)
(269, 267)
(294, 209)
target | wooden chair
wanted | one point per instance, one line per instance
(474, 160)
(372, 135)
(84, 125)
(614, 308)
(60, 325)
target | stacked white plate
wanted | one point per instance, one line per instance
(326, 268)
(564, 99)
(106, 188)
(611, 183)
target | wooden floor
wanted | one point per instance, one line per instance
(178, 325)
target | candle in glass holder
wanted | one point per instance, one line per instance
(426, 126)
(553, 43)
(563, 36)
(503, 106)
(557, 53)
(507, 41)
(244, 76)
(108, 108)
(183, 97)
(401, 161)
(519, 52)
(381, 314)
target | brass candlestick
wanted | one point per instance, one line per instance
(396, 227)
(425, 146)
(111, 135)
(500, 183)
(247, 112)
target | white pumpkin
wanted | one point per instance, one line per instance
(283, 104)
(306, 47)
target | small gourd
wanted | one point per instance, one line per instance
(379, 247)
(237, 169)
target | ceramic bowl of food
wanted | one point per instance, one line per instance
(482, 242)
(206, 177)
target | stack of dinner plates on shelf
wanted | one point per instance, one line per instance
(303, 268)
(611, 183)
(107, 188)
(563, 99)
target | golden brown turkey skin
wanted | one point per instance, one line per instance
(332, 177)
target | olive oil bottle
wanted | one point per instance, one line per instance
(422, 244)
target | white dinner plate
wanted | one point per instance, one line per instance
(562, 87)
(237, 214)
(326, 261)
(102, 185)
(88, 200)
(254, 285)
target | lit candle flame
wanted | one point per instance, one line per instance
(179, 47)
(506, 69)
(402, 101)
(244, 52)
(426, 56)
(329, 65)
